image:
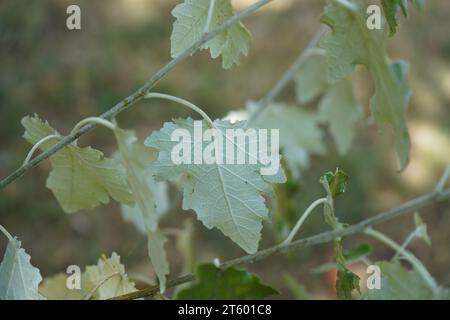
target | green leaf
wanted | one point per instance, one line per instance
(137, 158)
(338, 106)
(81, 178)
(335, 183)
(225, 196)
(339, 109)
(398, 283)
(391, 8)
(229, 284)
(346, 282)
(350, 43)
(19, 279)
(158, 256)
(191, 16)
(300, 136)
(311, 77)
(109, 277)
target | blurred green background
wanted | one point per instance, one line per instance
(64, 76)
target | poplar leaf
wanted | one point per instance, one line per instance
(19, 279)
(338, 106)
(229, 284)
(158, 256)
(81, 178)
(350, 43)
(300, 136)
(226, 196)
(189, 26)
(339, 109)
(311, 77)
(136, 158)
(109, 277)
(398, 283)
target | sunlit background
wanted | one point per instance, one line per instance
(64, 76)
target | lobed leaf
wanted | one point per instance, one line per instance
(81, 178)
(189, 26)
(226, 196)
(339, 109)
(350, 43)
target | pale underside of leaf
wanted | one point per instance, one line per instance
(228, 197)
(19, 279)
(398, 283)
(157, 253)
(137, 160)
(300, 136)
(350, 43)
(311, 77)
(191, 18)
(340, 110)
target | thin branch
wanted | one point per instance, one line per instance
(136, 96)
(324, 237)
(441, 184)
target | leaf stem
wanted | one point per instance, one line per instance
(7, 234)
(303, 217)
(37, 145)
(409, 256)
(210, 15)
(180, 101)
(97, 120)
(88, 296)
